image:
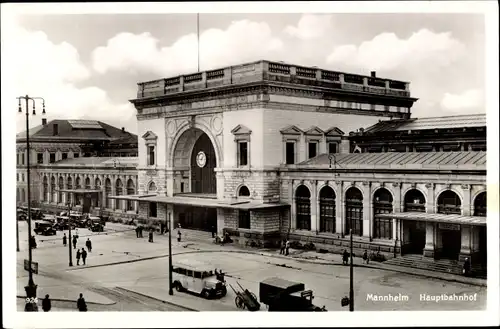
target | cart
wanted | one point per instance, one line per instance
(245, 299)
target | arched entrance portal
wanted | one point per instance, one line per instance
(448, 202)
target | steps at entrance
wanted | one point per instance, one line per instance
(192, 235)
(437, 265)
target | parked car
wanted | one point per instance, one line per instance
(63, 223)
(44, 228)
(97, 227)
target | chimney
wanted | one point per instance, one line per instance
(44, 121)
(55, 129)
(373, 74)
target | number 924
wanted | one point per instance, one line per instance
(31, 300)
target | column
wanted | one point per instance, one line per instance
(220, 185)
(314, 207)
(49, 183)
(466, 206)
(430, 206)
(396, 208)
(291, 197)
(429, 240)
(367, 210)
(465, 245)
(339, 209)
(169, 177)
(113, 192)
(220, 221)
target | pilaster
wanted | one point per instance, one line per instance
(430, 206)
(314, 207)
(466, 206)
(465, 244)
(220, 221)
(339, 209)
(429, 248)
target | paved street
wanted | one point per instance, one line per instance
(150, 276)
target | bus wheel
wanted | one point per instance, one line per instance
(178, 286)
(206, 294)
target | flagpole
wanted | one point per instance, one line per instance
(198, 38)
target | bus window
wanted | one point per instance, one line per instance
(197, 275)
(189, 273)
(182, 271)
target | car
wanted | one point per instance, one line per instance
(97, 227)
(44, 228)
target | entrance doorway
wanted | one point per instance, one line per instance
(482, 245)
(197, 218)
(451, 240)
(416, 237)
(203, 163)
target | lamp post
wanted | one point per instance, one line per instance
(170, 290)
(69, 234)
(351, 283)
(17, 232)
(31, 287)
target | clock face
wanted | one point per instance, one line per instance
(201, 159)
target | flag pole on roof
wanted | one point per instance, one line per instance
(198, 38)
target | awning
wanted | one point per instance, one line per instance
(201, 202)
(438, 218)
(79, 191)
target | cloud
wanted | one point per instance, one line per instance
(32, 64)
(242, 41)
(310, 27)
(470, 99)
(387, 51)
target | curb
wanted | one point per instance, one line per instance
(160, 300)
(425, 275)
(70, 300)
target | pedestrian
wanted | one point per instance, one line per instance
(32, 242)
(150, 235)
(282, 247)
(141, 228)
(345, 257)
(466, 268)
(46, 304)
(179, 234)
(81, 304)
(74, 242)
(84, 255)
(78, 254)
(365, 257)
(65, 240)
(287, 247)
(88, 243)
(137, 231)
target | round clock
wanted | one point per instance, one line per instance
(201, 159)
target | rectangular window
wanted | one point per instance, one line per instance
(39, 158)
(22, 177)
(244, 219)
(313, 149)
(52, 157)
(76, 155)
(151, 155)
(152, 209)
(22, 158)
(290, 153)
(64, 156)
(242, 153)
(17, 159)
(182, 187)
(332, 148)
(17, 177)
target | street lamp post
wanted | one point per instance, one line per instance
(17, 232)
(31, 287)
(170, 290)
(69, 234)
(351, 283)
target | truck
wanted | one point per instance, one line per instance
(281, 295)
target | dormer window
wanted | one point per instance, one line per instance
(150, 139)
(291, 138)
(242, 140)
(314, 135)
(333, 138)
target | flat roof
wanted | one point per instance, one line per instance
(201, 202)
(438, 218)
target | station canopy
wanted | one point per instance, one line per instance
(437, 218)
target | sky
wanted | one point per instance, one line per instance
(88, 66)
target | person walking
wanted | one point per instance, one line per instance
(88, 243)
(78, 255)
(141, 228)
(179, 234)
(282, 247)
(74, 242)
(84, 255)
(345, 257)
(365, 257)
(467, 266)
(46, 304)
(150, 235)
(287, 247)
(81, 304)
(137, 231)
(65, 240)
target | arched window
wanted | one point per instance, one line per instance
(61, 187)
(382, 204)
(244, 191)
(119, 191)
(480, 205)
(152, 187)
(70, 187)
(354, 211)
(45, 188)
(107, 192)
(130, 191)
(449, 203)
(327, 210)
(87, 183)
(97, 183)
(53, 189)
(414, 201)
(303, 208)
